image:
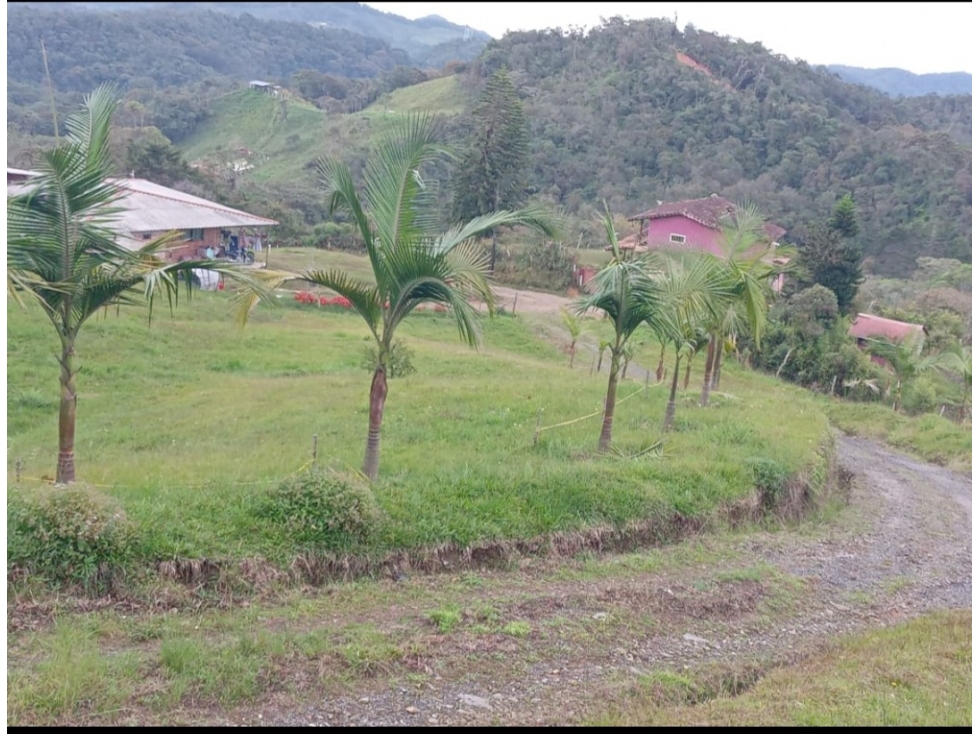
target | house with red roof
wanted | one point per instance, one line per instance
(693, 224)
(866, 327)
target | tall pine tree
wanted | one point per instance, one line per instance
(832, 255)
(491, 174)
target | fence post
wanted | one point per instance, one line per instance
(315, 439)
(515, 303)
(18, 465)
(540, 412)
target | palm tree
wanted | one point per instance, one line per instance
(63, 255)
(412, 262)
(697, 289)
(632, 292)
(957, 359)
(750, 277)
(905, 359)
(573, 324)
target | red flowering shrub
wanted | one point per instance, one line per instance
(314, 300)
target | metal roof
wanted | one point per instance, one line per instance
(149, 207)
(868, 326)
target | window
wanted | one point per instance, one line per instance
(678, 239)
(194, 235)
(147, 235)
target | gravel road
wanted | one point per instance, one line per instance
(903, 547)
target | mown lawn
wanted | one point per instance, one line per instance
(186, 422)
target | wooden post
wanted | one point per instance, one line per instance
(315, 439)
(540, 412)
(515, 304)
(19, 465)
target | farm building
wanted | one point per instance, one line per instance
(867, 326)
(148, 210)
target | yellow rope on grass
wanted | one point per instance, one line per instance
(590, 415)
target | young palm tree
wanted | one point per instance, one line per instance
(697, 289)
(750, 277)
(905, 359)
(572, 323)
(633, 292)
(62, 253)
(411, 261)
(958, 360)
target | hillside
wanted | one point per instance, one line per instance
(426, 39)
(901, 83)
(639, 112)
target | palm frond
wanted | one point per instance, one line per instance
(364, 297)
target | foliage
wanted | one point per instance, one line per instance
(540, 265)
(72, 535)
(323, 509)
(771, 479)
(412, 262)
(62, 251)
(400, 359)
(831, 256)
(619, 113)
(490, 175)
(901, 83)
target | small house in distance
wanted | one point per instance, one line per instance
(867, 326)
(266, 87)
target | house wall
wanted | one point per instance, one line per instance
(698, 236)
(189, 250)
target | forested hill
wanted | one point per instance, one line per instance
(166, 48)
(638, 111)
(429, 41)
(901, 83)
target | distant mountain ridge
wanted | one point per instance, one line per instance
(431, 40)
(902, 83)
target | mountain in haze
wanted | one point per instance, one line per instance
(430, 41)
(901, 83)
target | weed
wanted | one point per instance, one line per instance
(446, 619)
(517, 628)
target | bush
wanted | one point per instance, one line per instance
(322, 509)
(73, 535)
(770, 477)
(400, 360)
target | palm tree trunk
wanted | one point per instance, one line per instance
(686, 375)
(659, 367)
(715, 373)
(605, 439)
(671, 404)
(705, 390)
(379, 393)
(571, 363)
(66, 415)
(493, 253)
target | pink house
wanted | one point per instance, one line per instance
(867, 326)
(694, 223)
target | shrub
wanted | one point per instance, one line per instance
(72, 535)
(322, 508)
(400, 360)
(770, 477)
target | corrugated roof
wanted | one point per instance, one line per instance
(149, 207)
(868, 326)
(708, 211)
(20, 172)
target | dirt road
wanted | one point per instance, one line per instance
(902, 547)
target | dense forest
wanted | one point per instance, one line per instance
(636, 112)
(632, 112)
(430, 41)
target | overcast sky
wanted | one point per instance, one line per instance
(919, 37)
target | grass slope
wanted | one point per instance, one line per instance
(189, 421)
(284, 136)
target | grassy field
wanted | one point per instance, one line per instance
(916, 674)
(189, 421)
(283, 138)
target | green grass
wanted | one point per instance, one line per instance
(931, 437)
(915, 674)
(281, 145)
(188, 421)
